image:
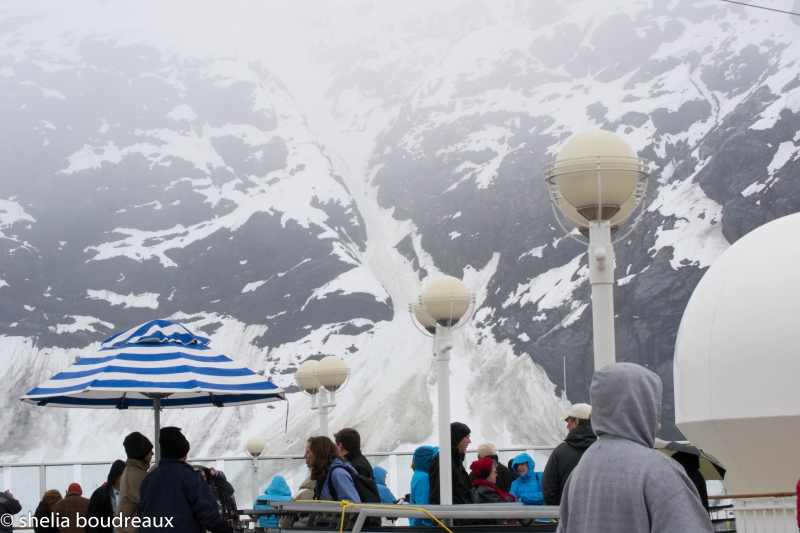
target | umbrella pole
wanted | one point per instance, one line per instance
(156, 443)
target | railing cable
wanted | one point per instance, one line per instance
(345, 504)
(762, 7)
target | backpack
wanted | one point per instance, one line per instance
(367, 488)
(367, 491)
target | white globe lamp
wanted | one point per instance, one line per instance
(597, 183)
(445, 301)
(305, 377)
(422, 317)
(320, 380)
(737, 361)
(255, 446)
(332, 373)
(578, 164)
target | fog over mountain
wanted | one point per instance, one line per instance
(285, 178)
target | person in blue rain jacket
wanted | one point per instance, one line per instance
(420, 484)
(380, 478)
(278, 491)
(527, 488)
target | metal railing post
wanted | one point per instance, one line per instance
(393, 474)
(42, 479)
(288, 472)
(254, 480)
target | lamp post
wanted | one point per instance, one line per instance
(255, 447)
(321, 380)
(444, 305)
(598, 183)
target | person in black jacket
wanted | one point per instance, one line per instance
(221, 488)
(566, 456)
(349, 443)
(505, 477)
(691, 463)
(484, 472)
(104, 501)
(462, 488)
(174, 497)
(8, 506)
(45, 512)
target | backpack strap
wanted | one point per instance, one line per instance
(329, 481)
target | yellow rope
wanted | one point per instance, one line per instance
(346, 504)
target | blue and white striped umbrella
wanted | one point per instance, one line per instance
(160, 364)
(156, 358)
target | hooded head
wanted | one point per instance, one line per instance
(116, 470)
(457, 433)
(173, 444)
(626, 403)
(278, 487)
(423, 456)
(379, 474)
(524, 458)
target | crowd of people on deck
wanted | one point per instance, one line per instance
(617, 480)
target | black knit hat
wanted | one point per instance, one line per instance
(116, 470)
(137, 445)
(173, 444)
(458, 431)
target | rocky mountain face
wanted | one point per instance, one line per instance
(289, 181)
(703, 101)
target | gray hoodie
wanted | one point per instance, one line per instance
(622, 484)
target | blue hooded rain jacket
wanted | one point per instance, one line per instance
(380, 479)
(278, 491)
(420, 483)
(528, 488)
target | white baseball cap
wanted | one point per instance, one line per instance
(579, 410)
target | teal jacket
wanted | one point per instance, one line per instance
(278, 491)
(380, 480)
(420, 483)
(528, 488)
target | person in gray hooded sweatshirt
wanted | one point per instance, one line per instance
(621, 483)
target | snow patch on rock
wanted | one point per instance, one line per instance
(551, 289)
(11, 213)
(80, 323)
(696, 236)
(146, 300)
(182, 112)
(786, 151)
(356, 280)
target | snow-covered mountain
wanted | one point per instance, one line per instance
(286, 177)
